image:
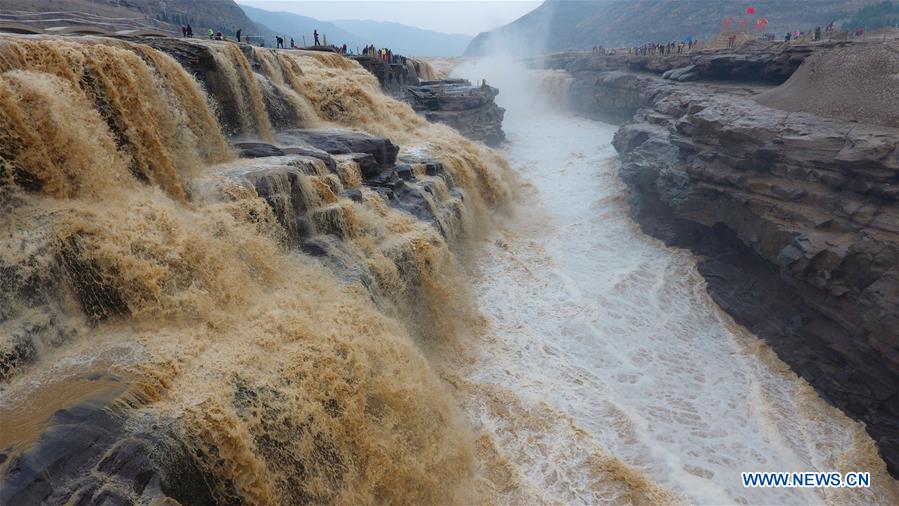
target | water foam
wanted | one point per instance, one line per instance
(608, 329)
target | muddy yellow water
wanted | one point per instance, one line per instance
(566, 359)
(607, 373)
(133, 240)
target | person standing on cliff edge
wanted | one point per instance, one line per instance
(280, 42)
(315, 36)
(239, 30)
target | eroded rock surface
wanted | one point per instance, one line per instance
(103, 448)
(471, 110)
(99, 449)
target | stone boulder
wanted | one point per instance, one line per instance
(336, 142)
(471, 110)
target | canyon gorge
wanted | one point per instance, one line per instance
(239, 275)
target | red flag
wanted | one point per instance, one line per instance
(750, 10)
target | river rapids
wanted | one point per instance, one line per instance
(178, 323)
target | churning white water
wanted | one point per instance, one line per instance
(607, 372)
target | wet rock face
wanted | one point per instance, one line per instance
(420, 187)
(471, 110)
(393, 77)
(228, 84)
(199, 61)
(381, 150)
(33, 283)
(97, 451)
(257, 150)
(797, 220)
(108, 447)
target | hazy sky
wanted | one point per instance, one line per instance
(460, 16)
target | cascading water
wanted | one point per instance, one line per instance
(424, 69)
(155, 297)
(606, 373)
(142, 266)
(245, 97)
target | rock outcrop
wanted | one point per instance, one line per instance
(852, 83)
(795, 218)
(753, 62)
(394, 77)
(99, 449)
(305, 176)
(471, 110)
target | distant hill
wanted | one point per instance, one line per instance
(296, 26)
(221, 15)
(885, 13)
(571, 24)
(407, 40)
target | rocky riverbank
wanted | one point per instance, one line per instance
(795, 216)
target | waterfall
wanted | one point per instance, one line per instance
(141, 251)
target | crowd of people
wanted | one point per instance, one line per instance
(818, 33)
(688, 44)
(664, 48)
(675, 47)
(384, 54)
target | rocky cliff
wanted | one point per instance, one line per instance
(795, 216)
(113, 15)
(471, 110)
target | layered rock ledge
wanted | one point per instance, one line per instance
(455, 102)
(794, 216)
(471, 110)
(101, 447)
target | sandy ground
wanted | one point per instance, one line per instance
(859, 82)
